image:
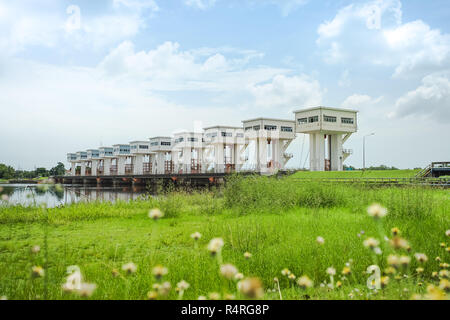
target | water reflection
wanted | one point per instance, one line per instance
(53, 196)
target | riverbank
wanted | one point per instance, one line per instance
(277, 221)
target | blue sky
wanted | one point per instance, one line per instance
(80, 74)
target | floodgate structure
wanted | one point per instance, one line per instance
(259, 146)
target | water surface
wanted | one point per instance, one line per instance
(32, 194)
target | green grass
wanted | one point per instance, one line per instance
(357, 174)
(278, 221)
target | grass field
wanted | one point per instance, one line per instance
(277, 221)
(357, 174)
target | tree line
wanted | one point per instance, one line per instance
(8, 172)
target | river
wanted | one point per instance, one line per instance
(56, 195)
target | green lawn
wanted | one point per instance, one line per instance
(276, 221)
(357, 174)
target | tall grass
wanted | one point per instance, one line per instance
(276, 220)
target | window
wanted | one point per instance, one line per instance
(192, 139)
(329, 118)
(287, 129)
(270, 127)
(154, 144)
(313, 119)
(133, 147)
(143, 146)
(165, 143)
(257, 128)
(226, 134)
(178, 140)
(347, 120)
(302, 120)
(248, 128)
(239, 135)
(211, 135)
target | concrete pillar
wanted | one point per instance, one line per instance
(121, 165)
(158, 163)
(262, 155)
(186, 160)
(317, 151)
(336, 152)
(138, 164)
(107, 166)
(73, 168)
(94, 166)
(237, 157)
(83, 168)
(219, 158)
(320, 152)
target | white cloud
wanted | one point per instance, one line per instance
(168, 68)
(356, 100)
(24, 25)
(200, 4)
(137, 4)
(373, 33)
(431, 99)
(133, 95)
(419, 47)
(286, 6)
(288, 92)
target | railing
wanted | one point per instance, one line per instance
(444, 164)
(424, 172)
(168, 166)
(196, 167)
(113, 170)
(382, 181)
(147, 168)
(129, 169)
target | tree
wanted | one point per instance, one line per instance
(6, 172)
(58, 170)
(42, 172)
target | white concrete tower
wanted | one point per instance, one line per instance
(122, 160)
(187, 152)
(328, 129)
(224, 150)
(82, 160)
(105, 160)
(161, 159)
(271, 138)
(141, 157)
(93, 157)
(72, 158)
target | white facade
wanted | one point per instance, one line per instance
(161, 161)
(270, 139)
(72, 159)
(82, 162)
(187, 152)
(141, 157)
(93, 157)
(260, 145)
(328, 129)
(121, 161)
(106, 155)
(224, 149)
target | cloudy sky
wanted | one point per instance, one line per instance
(80, 74)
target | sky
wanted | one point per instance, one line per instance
(82, 74)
